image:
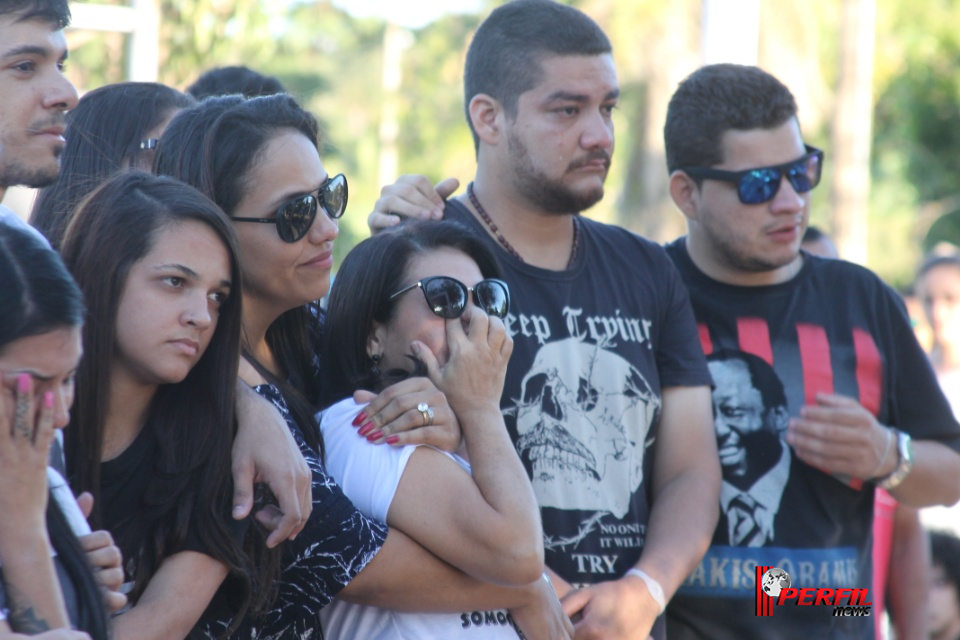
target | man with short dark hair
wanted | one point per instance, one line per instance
(607, 396)
(34, 94)
(865, 408)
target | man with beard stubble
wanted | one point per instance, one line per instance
(607, 391)
(864, 408)
(34, 95)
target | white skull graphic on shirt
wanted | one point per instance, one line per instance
(582, 423)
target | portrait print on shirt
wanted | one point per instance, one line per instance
(750, 416)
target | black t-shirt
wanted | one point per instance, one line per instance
(594, 345)
(833, 328)
(130, 487)
(336, 544)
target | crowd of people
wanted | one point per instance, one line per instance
(504, 420)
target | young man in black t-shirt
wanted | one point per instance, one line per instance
(607, 395)
(864, 406)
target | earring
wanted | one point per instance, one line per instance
(375, 369)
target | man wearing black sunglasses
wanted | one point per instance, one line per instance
(864, 406)
(606, 396)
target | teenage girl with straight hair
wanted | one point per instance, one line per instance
(153, 423)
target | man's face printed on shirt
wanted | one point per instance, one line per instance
(742, 422)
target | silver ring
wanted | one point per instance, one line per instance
(427, 413)
(21, 421)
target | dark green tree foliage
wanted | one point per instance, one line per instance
(916, 163)
(920, 115)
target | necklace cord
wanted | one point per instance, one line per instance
(505, 243)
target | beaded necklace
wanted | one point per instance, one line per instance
(505, 243)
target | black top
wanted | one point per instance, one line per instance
(833, 328)
(594, 345)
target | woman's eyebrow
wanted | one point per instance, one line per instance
(185, 270)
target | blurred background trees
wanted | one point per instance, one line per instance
(410, 119)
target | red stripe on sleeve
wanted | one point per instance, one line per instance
(705, 340)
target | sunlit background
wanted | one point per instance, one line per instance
(877, 82)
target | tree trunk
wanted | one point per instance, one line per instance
(852, 124)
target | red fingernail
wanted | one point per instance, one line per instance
(365, 429)
(376, 435)
(48, 400)
(393, 439)
(360, 419)
(23, 382)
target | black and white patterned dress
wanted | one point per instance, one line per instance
(336, 544)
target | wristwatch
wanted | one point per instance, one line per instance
(905, 454)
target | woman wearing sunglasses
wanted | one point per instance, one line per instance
(258, 160)
(424, 300)
(114, 129)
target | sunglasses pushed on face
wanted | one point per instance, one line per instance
(755, 186)
(447, 297)
(295, 216)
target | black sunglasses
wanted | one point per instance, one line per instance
(447, 297)
(761, 185)
(295, 216)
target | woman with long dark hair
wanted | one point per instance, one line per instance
(113, 128)
(258, 160)
(425, 300)
(153, 421)
(40, 324)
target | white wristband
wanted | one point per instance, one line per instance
(656, 591)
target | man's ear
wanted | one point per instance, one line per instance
(486, 115)
(376, 341)
(685, 193)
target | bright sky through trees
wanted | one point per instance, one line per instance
(410, 13)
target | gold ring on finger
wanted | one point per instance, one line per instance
(426, 412)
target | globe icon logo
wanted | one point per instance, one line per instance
(773, 581)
